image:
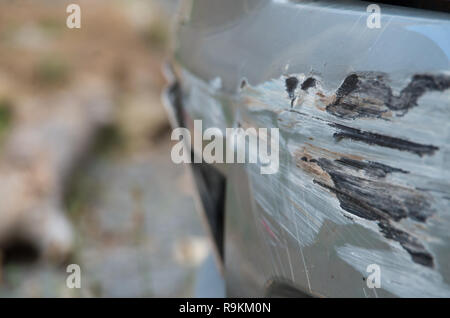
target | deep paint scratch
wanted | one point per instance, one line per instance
(371, 168)
(382, 140)
(369, 196)
(267, 228)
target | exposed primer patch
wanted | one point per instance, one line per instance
(382, 140)
(368, 94)
(362, 190)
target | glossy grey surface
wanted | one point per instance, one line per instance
(260, 40)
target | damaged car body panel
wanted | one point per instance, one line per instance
(363, 117)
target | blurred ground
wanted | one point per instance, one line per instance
(136, 232)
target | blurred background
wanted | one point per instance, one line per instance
(85, 169)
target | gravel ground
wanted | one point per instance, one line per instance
(138, 234)
(135, 227)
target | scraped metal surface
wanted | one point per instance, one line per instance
(364, 142)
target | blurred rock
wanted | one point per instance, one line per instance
(192, 250)
(49, 136)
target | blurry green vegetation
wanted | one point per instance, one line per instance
(51, 71)
(156, 35)
(110, 140)
(51, 24)
(83, 188)
(7, 31)
(6, 116)
(80, 192)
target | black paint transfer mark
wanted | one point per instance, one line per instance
(371, 168)
(368, 94)
(371, 197)
(411, 244)
(308, 83)
(362, 190)
(382, 140)
(349, 85)
(291, 84)
(419, 85)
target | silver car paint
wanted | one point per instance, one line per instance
(295, 227)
